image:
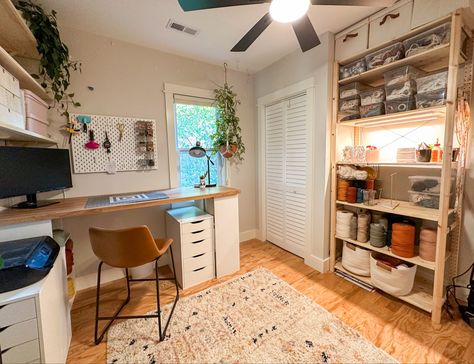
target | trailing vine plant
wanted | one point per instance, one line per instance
(228, 133)
(55, 65)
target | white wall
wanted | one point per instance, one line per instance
(289, 70)
(128, 81)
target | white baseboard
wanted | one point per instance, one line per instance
(321, 265)
(248, 235)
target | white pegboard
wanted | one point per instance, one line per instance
(124, 153)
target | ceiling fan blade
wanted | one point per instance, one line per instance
(374, 3)
(253, 34)
(191, 5)
(306, 34)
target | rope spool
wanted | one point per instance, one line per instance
(378, 235)
(352, 195)
(403, 240)
(363, 222)
(342, 187)
(343, 223)
(428, 244)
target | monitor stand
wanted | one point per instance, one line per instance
(32, 203)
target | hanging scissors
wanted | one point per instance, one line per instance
(121, 129)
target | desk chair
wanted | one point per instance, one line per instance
(130, 248)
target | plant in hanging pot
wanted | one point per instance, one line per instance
(55, 65)
(228, 136)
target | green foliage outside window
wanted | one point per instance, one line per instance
(195, 123)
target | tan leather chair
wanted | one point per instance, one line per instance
(128, 248)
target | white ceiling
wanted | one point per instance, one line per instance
(143, 22)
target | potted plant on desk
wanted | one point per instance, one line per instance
(228, 138)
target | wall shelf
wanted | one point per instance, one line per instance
(15, 35)
(397, 165)
(14, 134)
(421, 296)
(26, 81)
(404, 209)
(399, 118)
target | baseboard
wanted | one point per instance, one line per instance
(321, 265)
(248, 235)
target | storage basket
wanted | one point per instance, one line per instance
(36, 113)
(395, 281)
(356, 259)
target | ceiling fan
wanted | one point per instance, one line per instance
(283, 11)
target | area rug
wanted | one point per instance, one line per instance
(254, 318)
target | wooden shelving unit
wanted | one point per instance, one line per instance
(427, 294)
(15, 36)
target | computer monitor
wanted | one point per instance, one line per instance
(27, 171)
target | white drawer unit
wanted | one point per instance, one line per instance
(192, 231)
(390, 23)
(17, 312)
(352, 41)
(9, 82)
(24, 353)
(19, 333)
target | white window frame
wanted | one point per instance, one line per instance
(171, 91)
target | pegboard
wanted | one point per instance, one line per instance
(124, 153)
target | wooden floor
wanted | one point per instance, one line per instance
(403, 331)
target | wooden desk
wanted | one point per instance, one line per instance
(76, 206)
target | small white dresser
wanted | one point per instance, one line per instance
(192, 231)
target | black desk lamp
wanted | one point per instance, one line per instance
(199, 152)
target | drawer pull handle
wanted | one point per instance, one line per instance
(196, 222)
(199, 255)
(391, 16)
(197, 232)
(349, 36)
(197, 242)
(197, 270)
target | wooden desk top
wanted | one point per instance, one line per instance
(76, 206)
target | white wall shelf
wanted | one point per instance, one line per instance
(14, 134)
(397, 165)
(15, 35)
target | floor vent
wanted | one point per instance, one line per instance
(181, 28)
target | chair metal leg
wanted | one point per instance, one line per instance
(157, 281)
(98, 339)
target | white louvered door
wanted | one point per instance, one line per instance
(288, 174)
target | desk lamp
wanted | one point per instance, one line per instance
(199, 152)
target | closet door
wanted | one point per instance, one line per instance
(297, 173)
(274, 165)
(288, 174)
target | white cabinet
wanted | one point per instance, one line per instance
(425, 11)
(390, 24)
(35, 322)
(352, 40)
(192, 231)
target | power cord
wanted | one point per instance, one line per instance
(451, 290)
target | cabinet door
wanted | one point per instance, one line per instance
(389, 24)
(274, 168)
(352, 41)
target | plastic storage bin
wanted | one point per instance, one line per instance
(348, 117)
(427, 40)
(432, 82)
(392, 275)
(400, 105)
(424, 199)
(372, 96)
(385, 56)
(356, 259)
(372, 110)
(350, 106)
(400, 91)
(350, 90)
(431, 99)
(352, 69)
(430, 184)
(36, 111)
(402, 74)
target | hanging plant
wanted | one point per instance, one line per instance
(228, 136)
(55, 65)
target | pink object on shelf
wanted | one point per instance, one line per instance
(36, 113)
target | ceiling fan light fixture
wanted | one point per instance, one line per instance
(287, 11)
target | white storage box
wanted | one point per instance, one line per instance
(36, 113)
(356, 259)
(395, 281)
(9, 82)
(11, 117)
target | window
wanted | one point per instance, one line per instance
(195, 122)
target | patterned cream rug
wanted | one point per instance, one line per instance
(255, 318)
